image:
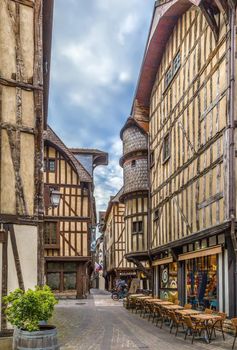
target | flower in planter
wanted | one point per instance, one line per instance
(25, 309)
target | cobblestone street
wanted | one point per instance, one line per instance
(99, 323)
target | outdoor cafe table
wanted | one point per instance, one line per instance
(205, 318)
(187, 312)
(163, 302)
(172, 307)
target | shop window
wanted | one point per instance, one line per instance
(53, 280)
(69, 280)
(197, 245)
(169, 281)
(166, 148)
(221, 239)
(70, 266)
(202, 282)
(137, 227)
(54, 266)
(185, 249)
(204, 243)
(133, 163)
(51, 234)
(212, 241)
(190, 247)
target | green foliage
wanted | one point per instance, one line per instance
(26, 309)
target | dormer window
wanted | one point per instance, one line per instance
(133, 163)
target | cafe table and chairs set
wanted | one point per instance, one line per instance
(193, 323)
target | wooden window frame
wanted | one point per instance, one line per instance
(166, 157)
(152, 158)
(173, 70)
(137, 231)
(51, 160)
(56, 245)
(47, 167)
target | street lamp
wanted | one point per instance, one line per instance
(55, 197)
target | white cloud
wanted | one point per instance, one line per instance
(109, 179)
(127, 26)
(97, 49)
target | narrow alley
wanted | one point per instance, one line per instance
(99, 323)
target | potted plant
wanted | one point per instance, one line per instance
(26, 310)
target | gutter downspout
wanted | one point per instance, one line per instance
(149, 211)
(232, 187)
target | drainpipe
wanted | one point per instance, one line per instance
(232, 189)
(149, 209)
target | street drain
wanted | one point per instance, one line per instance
(80, 303)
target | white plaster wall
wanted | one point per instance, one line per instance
(26, 237)
(12, 276)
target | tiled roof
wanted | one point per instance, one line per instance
(86, 150)
(116, 199)
(52, 138)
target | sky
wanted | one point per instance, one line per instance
(98, 46)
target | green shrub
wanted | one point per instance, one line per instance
(26, 309)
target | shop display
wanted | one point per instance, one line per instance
(168, 281)
(202, 282)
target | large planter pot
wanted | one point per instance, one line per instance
(45, 338)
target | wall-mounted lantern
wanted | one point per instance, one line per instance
(55, 197)
(52, 196)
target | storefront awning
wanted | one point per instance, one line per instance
(200, 253)
(163, 261)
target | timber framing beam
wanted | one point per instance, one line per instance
(28, 3)
(24, 86)
(208, 12)
(16, 257)
(22, 128)
(4, 277)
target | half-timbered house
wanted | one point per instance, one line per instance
(115, 264)
(25, 42)
(186, 93)
(67, 228)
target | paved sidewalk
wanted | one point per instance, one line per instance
(99, 323)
